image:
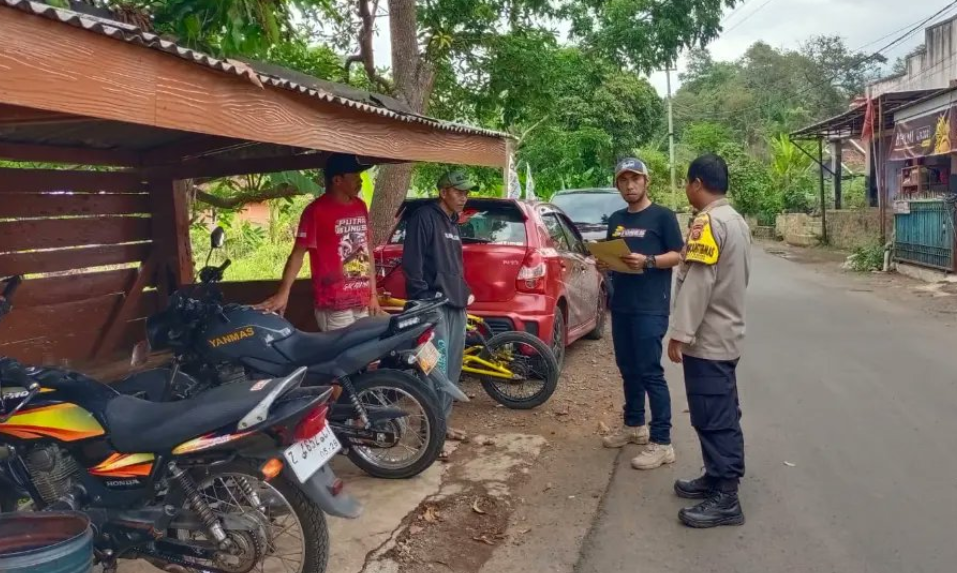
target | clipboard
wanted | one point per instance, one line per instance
(610, 253)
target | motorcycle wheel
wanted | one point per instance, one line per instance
(530, 360)
(282, 509)
(421, 432)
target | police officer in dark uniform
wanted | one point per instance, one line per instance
(706, 335)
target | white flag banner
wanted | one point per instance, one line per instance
(529, 183)
(512, 185)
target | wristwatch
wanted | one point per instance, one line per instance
(650, 262)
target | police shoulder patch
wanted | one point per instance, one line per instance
(702, 246)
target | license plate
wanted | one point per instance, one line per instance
(306, 457)
(428, 357)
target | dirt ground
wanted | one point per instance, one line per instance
(461, 532)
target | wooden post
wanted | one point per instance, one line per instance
(122, 314)
(171, 246)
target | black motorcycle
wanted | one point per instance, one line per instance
(231, 481)
(386, 415)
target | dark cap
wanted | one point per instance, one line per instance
(630, 164)
(340, 164)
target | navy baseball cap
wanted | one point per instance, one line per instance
(631, 164)
(340, 164)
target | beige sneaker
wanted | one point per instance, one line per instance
(654, 456)
(627, 435)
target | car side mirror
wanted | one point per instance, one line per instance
(218, 238)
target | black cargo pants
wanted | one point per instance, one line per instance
(712, 389)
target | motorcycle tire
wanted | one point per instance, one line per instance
(315, 531)
(398, 382)
(550, 371)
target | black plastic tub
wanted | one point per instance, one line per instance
(44, 542)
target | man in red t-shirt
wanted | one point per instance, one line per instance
(334, 230)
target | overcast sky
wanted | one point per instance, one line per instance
(787, 23)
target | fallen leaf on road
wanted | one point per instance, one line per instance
(525, 531)
(548, 486)
(484, 539)
(790, 465)
(603, 428)
(477, 509)
(415, 529)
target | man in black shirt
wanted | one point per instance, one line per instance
(432, 263)
(640, 307)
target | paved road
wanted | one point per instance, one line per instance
(861, 396)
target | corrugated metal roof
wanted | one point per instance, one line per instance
(276, 76)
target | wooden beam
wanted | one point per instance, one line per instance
(212, 168)
(70, 259)
(170, 233)
(73, 287)
(35, 205)
(74, 155)
(125, 310)
(40, 180)
(16, 115)
(28, 235)
(190, 147)
(59, 68)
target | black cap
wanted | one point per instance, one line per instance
(340, 164)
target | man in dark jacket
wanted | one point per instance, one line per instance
(432, 262)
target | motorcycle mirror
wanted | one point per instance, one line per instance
(218, 238)
(141, 353)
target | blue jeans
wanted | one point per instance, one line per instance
(638, 339)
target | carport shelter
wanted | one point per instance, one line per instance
(104, 248)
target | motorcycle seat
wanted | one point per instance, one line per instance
(308, 348)
(141, 426)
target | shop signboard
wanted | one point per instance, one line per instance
(923, 136)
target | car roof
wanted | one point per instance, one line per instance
(413, 204)
(588, 190)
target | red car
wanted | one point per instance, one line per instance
(527, 265)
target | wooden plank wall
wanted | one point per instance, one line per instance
(82, 239)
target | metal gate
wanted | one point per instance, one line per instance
(925, 236)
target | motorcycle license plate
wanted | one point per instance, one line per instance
(428, 357)
(307, 456)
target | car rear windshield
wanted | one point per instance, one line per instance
(489, 223)
(589, 208)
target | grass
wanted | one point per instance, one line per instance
(867, 258)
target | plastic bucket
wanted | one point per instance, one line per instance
(45, 542)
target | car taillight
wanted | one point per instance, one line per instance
(312, 424)
(531, 277)
(425, 337)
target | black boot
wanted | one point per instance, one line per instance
(698, 488)
(721, 508)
